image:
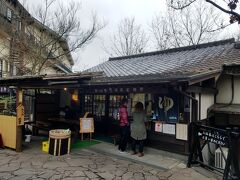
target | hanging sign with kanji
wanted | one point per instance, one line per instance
(20, 115)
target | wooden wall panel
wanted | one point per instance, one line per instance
(8, 129)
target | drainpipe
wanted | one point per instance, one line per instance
(232, 88)
(199, 106)
(194, 102)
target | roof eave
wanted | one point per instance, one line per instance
(175, 80)
(203, 76)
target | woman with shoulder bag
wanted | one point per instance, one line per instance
(138, 129)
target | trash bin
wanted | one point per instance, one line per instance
(59, 142)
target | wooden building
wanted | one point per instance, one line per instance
(176, 86)
(46, 90)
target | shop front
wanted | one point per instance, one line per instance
(168, 112)
(176, 86)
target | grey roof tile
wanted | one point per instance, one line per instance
(177, 62)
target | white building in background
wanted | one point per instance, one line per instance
(24, 42)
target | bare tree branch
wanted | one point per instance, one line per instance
(231, 7)
(192, 25)
(180, 4)
(225, 10)
(129, 39)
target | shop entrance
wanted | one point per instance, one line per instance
(104, 109)
(164, 107)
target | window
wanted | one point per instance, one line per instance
(88, 103)
(19, 25)
(9, 14)
(3, 8)
(14, 70)
(99, 105)
(6, 67)
(1, 68)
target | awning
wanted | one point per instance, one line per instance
(49, 81)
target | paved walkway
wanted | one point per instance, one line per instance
(84, 164)
(156, 158)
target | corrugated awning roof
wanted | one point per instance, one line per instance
(178, 63)
(46, 81)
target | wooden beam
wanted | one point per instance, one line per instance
(19, 99)
(198, 89)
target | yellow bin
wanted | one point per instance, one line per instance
(45, 146)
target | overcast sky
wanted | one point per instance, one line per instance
(111, 11)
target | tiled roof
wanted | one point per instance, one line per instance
(177, 63)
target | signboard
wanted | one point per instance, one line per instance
(158, 126)
(213, 136)
(166, 108)
(202, 135)
(126, 89)
(20, 115)
(182, 131)
(86, 125)
(169, 129)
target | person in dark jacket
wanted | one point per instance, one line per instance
(138, 129)
(124, 126)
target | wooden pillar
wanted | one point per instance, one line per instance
(19, 139)
(20, 119)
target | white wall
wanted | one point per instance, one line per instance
(207, 100)
(48, 70)
(46, 38)
(225, 93)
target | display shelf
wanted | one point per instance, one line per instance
(114, 104)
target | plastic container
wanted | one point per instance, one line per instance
(45, 146)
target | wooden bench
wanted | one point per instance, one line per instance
(37, 127)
